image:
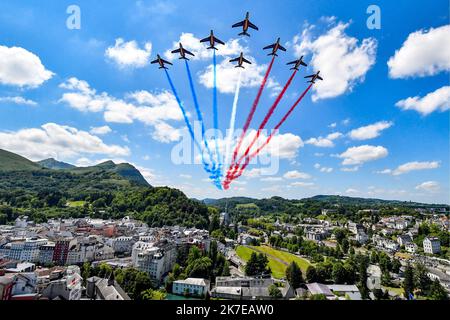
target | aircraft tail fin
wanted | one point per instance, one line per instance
(212, 47)
(244, 33)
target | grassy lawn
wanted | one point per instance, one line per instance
(278, 268)
(75, 203)
(397, 291)
(286, 256)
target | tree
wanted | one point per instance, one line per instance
(151, 294)
(311, 274)
(396, 265)
(362, 281)
(408, 282)
(422, 281)
(437, 291)
(274, 292)
(319, 296)
(257, 264)
(345, 245)
(339, 274)
(294, 275)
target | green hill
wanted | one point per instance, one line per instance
(55, 164)
(107, 190)
(10, 161)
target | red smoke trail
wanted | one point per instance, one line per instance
(250, 116)
(226, 184)
(264, 122)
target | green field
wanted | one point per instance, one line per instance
(278, 268)
(75, 203)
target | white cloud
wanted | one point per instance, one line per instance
(164, 132)
(129, 54)
(100, 130)
(271, 179)
(22, 68)
(424, 53)
(429, 186)
(351, 169)
(302, 184)
(191, 43)
(296, 175)
(436, 100)
(283, 146)
(332, 125)
(351, 191)
(323, 169)
(361, 154)
(227, 76)
(152, 109)
(326, 142)
(57, 141)
(342, 61)
(18, 100)
(185, 176)
(385, 171)
(371, 131)
(414, 166)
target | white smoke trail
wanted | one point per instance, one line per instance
(232, 119)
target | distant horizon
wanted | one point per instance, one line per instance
(244, 196)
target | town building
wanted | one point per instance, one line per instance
(191, 286)
(431, 245)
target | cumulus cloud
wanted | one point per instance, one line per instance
(294, 174)
(22, 68)
(227, 76)
(371, 131)
(100, 130)
(56, 141)
(351, 169)
(302, 184)
(433, 101)
(324, 142)
(191, 43)
(342, 60)
(323, 169)
(424, 53)
(18, 100)
(129, 54)
(361, 154)
(152, 109)
(429, 186)
(411, 166)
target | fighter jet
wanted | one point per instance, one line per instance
(161, 62)
(245, 24)
(314, 77)
(212, 41)
(182, 52)
(275, 48)
(297, 63)
(240, 60)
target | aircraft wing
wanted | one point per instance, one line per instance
(303, 64)
(166, 62)
(251, 25)
(319, 77)
(234, 60)
(205, 40)
(311, 76)
(176, 51)
(155, 61)
(245, 60)
(292, 62)
(282, 48)
(239, 24)
(269, 47)
(218, 41)
(188, 52)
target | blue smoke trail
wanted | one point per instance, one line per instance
(216, 119)
(199, 115)
(188, 124)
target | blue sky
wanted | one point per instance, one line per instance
(89, 94)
